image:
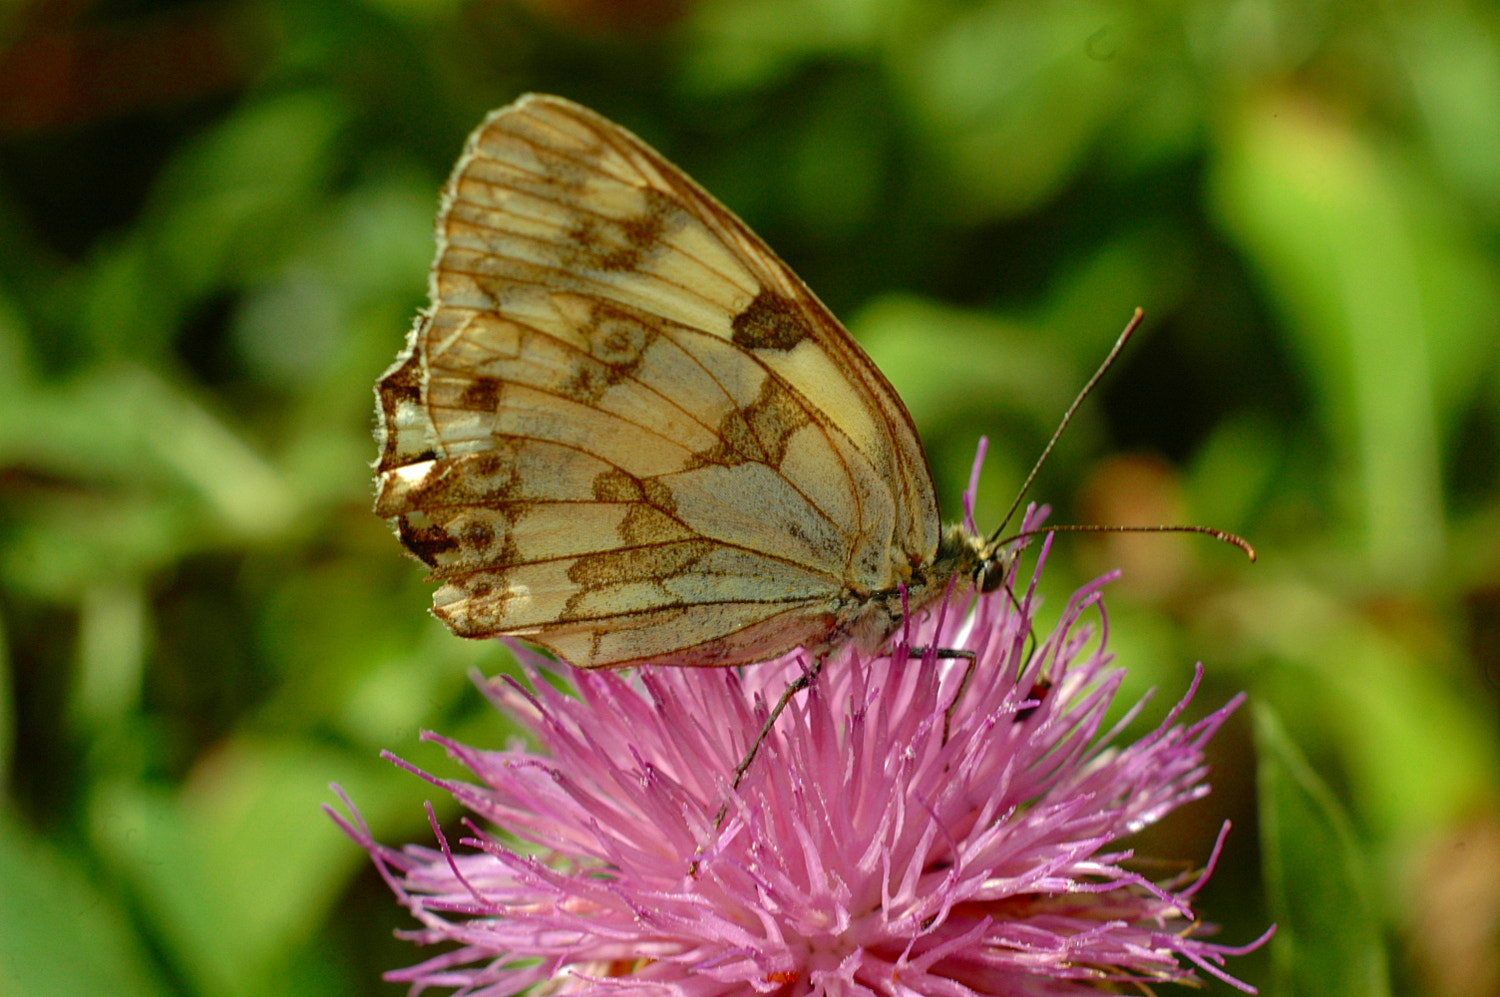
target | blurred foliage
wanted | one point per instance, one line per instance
(215, 223)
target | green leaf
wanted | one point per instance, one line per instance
(60, 933)
(1328, 934)
(1386, 300)
(236, 872)
(1012, 97)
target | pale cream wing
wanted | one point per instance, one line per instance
(624, 430)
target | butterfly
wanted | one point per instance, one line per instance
(624, 430)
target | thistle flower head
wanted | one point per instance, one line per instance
(909, 826)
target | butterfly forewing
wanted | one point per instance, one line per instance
(624, 429)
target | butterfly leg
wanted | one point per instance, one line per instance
(963, 685)
(1042, 685)
(801, 682)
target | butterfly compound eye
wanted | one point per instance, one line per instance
(992, 574)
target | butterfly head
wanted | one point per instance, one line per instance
(973, 559)
(994, 566)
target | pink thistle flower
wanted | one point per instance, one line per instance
(881, 843)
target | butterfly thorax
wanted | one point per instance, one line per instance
(962, 562)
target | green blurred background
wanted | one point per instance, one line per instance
(215, 225)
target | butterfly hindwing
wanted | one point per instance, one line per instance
(624, 429)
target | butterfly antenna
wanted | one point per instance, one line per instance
(1223, 536)
(1135, 321)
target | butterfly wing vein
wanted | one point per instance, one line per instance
(624, 429)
